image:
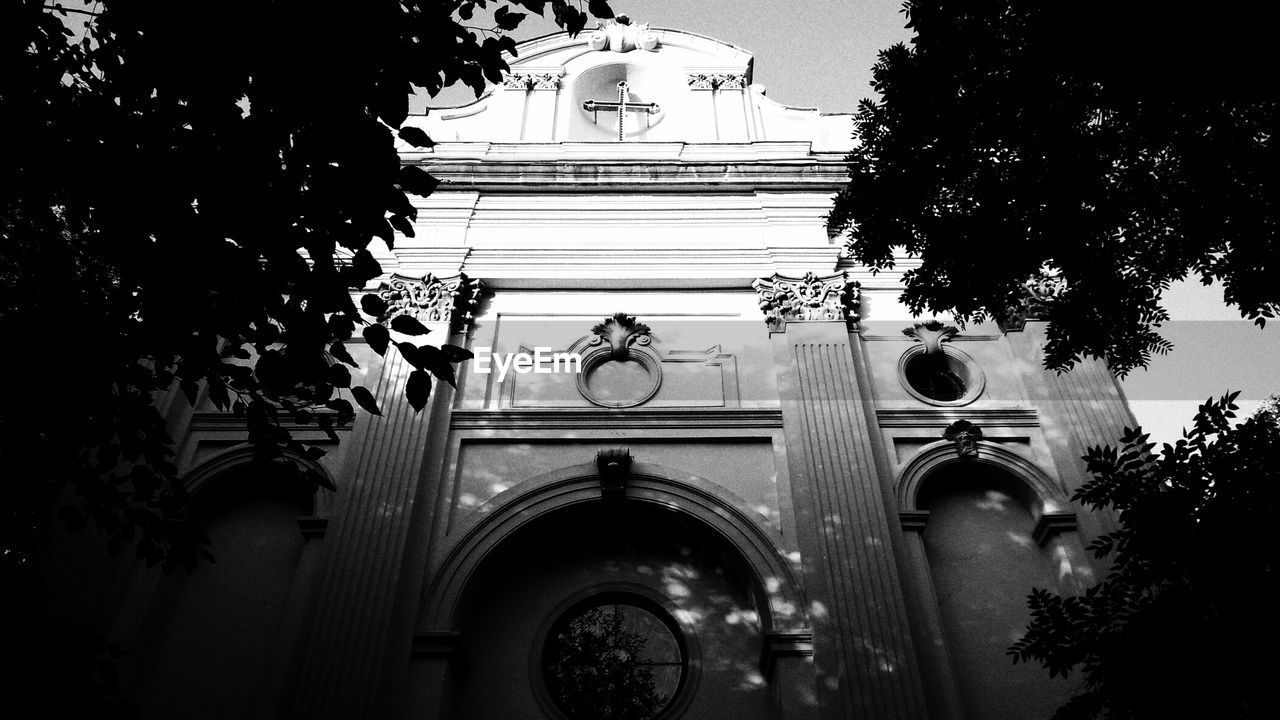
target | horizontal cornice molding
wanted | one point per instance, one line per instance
(934, 417)
(602, 419)
(628, 176)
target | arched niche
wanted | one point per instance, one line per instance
(983, 531)
(211, 639)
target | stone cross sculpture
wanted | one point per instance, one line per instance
(622, 107)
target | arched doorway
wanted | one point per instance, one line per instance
(612, 610)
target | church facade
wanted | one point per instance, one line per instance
(702, 466)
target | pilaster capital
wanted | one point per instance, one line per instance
(532, 80)
(1036, 296)
(451, 300)
(717, 81)
(790, 299)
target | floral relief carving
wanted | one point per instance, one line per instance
(788, 299)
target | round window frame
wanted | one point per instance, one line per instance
(975, 382)
(626, 594)
(602, 355)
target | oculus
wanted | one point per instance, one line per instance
(614, 656)
(935, 372)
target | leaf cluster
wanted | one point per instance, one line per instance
(1182, 623)
(188, 204)
(1123, 146)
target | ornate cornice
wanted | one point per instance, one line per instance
(619, 35)
(931, 334)
(451, 299)
(788, 299)
(717, 81)
(1037, 295)
(532, 80)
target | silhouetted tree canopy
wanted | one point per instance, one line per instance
(187, 197)
(1119, 145)
(1184, 623)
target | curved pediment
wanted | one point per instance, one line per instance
(624, 82)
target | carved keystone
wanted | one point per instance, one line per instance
(965, 435)
(614, 465)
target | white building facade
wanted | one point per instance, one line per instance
(763, 491)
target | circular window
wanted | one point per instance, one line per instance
(619, 383)
(946, 378)
(614, 657)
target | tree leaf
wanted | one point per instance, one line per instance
(417, 181)
(364, 399)
(339, 376)
(373, 305)
(416, 137)
(417, 389)
(377, 337)
(408, 325)
(454, 354)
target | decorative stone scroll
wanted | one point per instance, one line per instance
(532, 81)
(451, 299)
(1037, 295)
(788, 299)
(965, 435)
(717, 81)
(931, 334)
(619, 35)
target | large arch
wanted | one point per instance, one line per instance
(774, 585)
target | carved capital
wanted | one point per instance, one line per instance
(1037, 295)
(451, 299)
(717, 81)
(532, 81)
(619, 35)
(787, 299)
(614, 465)
(931, 334)
(620, 332)
(965, 435)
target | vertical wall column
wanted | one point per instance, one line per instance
(721, 99)
(1078, 409)
(538, 106)
(866, 662)
(344, 665)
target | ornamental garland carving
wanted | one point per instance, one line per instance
(619, 35)
(717, 81)
(451, 299)
(789, 299)
(931, 334)
(532, 81)
(620, 332)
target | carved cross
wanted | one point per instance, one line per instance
(622, 107)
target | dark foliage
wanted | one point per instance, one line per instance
(187, 194)
(1123, 146)
(1184, 623)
